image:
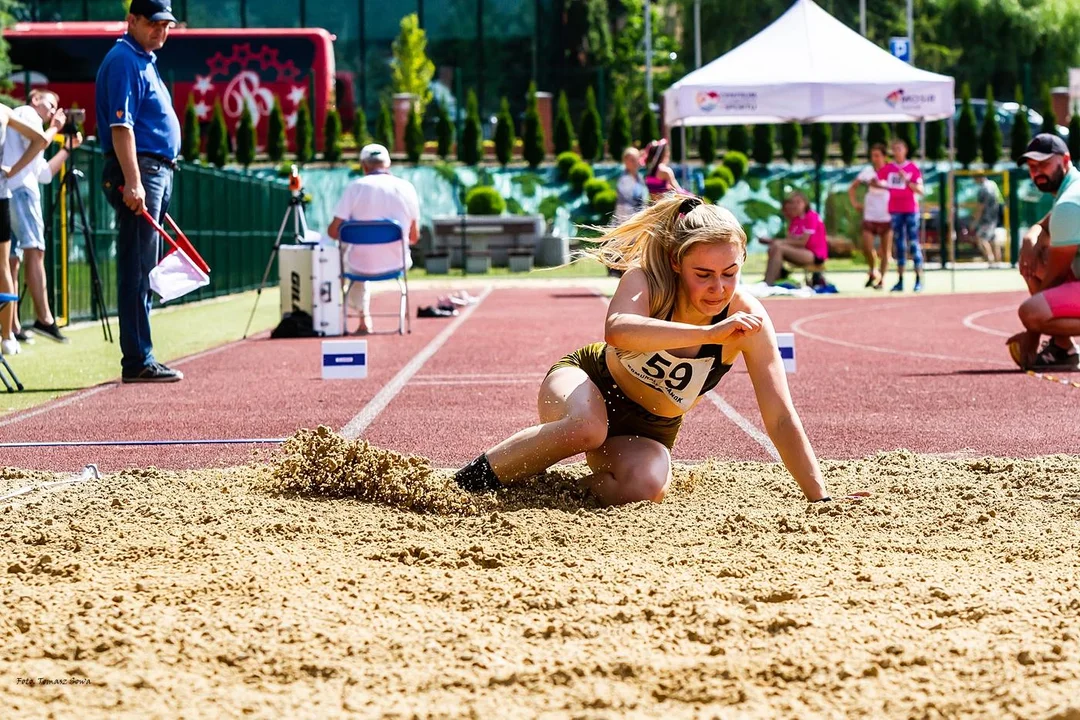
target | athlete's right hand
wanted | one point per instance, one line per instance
(739, 325)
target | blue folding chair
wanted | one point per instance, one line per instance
(376, 232)
(6, 298)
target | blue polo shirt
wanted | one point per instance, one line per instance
(1065, 217)
(131, 93)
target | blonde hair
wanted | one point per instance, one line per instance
(662, 234)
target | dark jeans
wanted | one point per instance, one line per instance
(137, 249)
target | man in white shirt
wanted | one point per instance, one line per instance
(27, 224)
(877, 222)
(378, 195)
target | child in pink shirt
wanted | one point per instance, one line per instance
(904, 182)
(806, 244)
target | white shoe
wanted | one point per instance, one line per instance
(10, 346)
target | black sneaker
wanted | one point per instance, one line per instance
(50, 331)
(1054, 357)
(154, 373)
(22, 337)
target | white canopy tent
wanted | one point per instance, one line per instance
(809, 67)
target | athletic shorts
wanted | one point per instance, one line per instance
(27, 226)
(1064, 299)
(877, 228)
(625, 417)
(5, 220)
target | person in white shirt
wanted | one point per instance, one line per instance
(27, 224)
(877, 222)
(631, 194)
(378, 195)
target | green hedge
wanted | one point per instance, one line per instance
(593, 186)
(715, 188)
(484, 200)
(580, 174)
(737, 162)
(565, 161)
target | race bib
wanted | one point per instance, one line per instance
(897, 180)
(680, 379)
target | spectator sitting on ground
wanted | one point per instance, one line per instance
(377, 195)
(27, 224)
(806, 244)
(985, 219)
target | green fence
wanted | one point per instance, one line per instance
(232, 219)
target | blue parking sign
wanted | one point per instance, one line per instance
(900, 47)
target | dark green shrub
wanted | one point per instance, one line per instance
(967, 131)
(990, 135)
(619, 135)
(331, 137)
(549, 206)
(849, 142)
(589, 137)
(603, 202)
(384, 126)
(414, 135)
(910, 135)
(360, 129)
(820, 136)
(715, 188)
(504, 133)
(935, 140)
(649, 128)
(276, 140)
(738, 139)
(532, 138)
(737, 162)
(1021, 129)
(484, 200)
(593, 186)
(1046, 100)
(564, 126)
(580, 174)
(191, 142)
(1074, 133)
(877, 133)
(565, 161)
(470, 149)
(790, 141)
(245, 138)
(724, 173)
(305, 141)
(706, 144)
(444, 132)
(217, 142)
(763, 144)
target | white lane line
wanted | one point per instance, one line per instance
(969, 321)
(365, 417)
(71, 399)
(745, 425)
(797, 327)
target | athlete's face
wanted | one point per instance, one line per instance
(709, 274)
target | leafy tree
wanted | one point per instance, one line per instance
(276, 139)
(1074, 133)
(587, 32)
(411, 69)
(619, 134)
(384, 126)
(967, 130)
(649, 129)
(990, 137)
(217, 142)
(305, 141)
(414, 134)
(589, 137)
(935, 140)
(790, 141)
(820, 137)
(738, 139)
(444, 131)
(191, 142)
(504, 133)
(331, 136)
(470, 149)
(245, 138)
(763, 144)
(876, 133)
(564, 126)
(1021, 129)
(533, 140)
(849, 142)
(1049, 124)
(706, 144)
(360, 129)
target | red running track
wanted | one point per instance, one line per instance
(927, 373)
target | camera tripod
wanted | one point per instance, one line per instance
(296, 211)
(69, 184)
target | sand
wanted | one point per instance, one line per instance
(345, 581)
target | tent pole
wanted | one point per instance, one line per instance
(922, 160)
(949, 201)
(682, 154)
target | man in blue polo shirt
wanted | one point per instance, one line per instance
(1050, 263)
(140, 134)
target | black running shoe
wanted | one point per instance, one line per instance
(1054, 357)
(50, 331)
(22, 337)
(153, 373)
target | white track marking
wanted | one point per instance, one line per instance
(745, 425)
(797, 327)
(82, 395)
(969, 321)
(355, 427)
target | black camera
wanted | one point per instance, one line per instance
(75, 118)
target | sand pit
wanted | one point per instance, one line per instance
(953, 593)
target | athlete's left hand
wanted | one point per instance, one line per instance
(739, 325)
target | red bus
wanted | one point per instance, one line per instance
(238, 66)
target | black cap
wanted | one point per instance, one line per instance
(1044, 146)
(153, 10)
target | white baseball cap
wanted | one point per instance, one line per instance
(375, 153)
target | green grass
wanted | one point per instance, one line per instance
(49, 370)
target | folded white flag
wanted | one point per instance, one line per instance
(176, 275)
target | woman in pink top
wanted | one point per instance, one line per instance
(904, 181)
(659, 177)
(805, 246)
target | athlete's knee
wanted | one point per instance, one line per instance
(585, 433)
(1033, 312)
(648, 481)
